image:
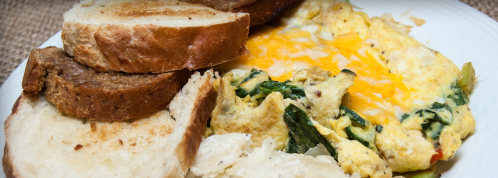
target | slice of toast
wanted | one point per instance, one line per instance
(146, 36)
(43, 142)
(261, 11)
(78, 90)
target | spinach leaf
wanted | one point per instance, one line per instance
(288, 91)
(437, 105)
(251, 75)
(303, 135)
(404, 116)
(293, 146)
(458, 96)
(240, 92)
(432, 129)
(433, 123)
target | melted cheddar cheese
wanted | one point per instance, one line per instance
(282, 51)
(396, 78)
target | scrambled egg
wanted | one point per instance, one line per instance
(355, 157)
(323, 93)
(407, 91)
(232, 115)
(404, 150)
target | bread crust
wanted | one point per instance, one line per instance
(80, 91)
(204, 105)
(184, 151)
(8, 168)
(149, 48)
(261, 11)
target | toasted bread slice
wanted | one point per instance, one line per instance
(140, 36)
(43, 142)
(261, 11)
(78, 90)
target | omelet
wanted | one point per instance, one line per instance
(259, 111)
(383, 101)
(232, 115)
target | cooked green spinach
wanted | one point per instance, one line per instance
(433, 119)
(287, 90)
(267, 87)
(458, 96)
(303, 135)
(251, 75)
(378, 128)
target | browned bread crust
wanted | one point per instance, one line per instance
(81, 91)
(261, 11)
(8, 168)
(191, 108)
(147, 47)
(204, 105)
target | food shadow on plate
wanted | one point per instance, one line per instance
(444, 166)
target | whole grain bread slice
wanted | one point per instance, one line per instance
(261, 11)
(144, 36)
(80, 91)
(41, 141)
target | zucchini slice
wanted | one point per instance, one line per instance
(467, 78)
(365, 136)
(353, 116)
(360, 129)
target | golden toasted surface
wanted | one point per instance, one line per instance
(152, 36)
(261, 11)
(41, 140)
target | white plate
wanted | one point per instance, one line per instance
(455, 29)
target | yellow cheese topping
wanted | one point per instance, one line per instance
(283, 51)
